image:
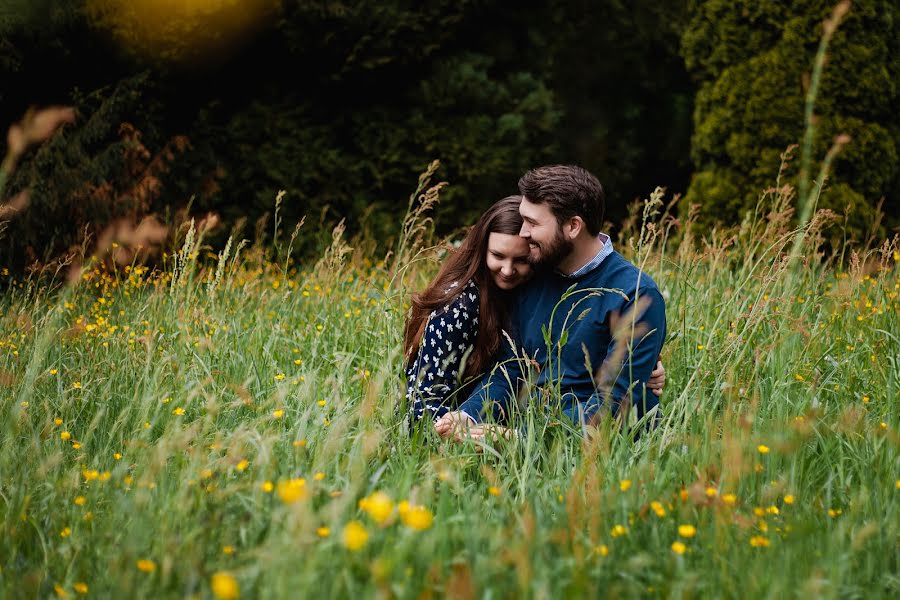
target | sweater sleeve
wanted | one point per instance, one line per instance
(631, 357)
(439, 363)
(496, 391)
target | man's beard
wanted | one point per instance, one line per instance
(553, 254)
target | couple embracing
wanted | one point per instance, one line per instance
(535, 306)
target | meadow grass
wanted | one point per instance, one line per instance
(234, 422)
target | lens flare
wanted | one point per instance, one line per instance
(182, 31)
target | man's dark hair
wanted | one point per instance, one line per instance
(569, 190)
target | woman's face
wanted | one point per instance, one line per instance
(507, 260)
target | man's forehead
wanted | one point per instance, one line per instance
(531, 210)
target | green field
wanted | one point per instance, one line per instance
(234, 422)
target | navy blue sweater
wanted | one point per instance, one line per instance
(565, 328)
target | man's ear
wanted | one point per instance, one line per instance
(574, 227)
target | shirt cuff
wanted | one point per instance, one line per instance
(471, 418)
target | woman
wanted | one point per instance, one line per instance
(455, 327)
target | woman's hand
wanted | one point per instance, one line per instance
(452, 424)
(657, 379)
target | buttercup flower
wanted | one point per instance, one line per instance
(354, 535)
(378, 505)
(224, 586)
(146, 565)
(418, 518)
(687, 531)
(292, 490)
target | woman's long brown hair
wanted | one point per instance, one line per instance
(467, 262)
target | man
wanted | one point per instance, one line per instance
(604, 319)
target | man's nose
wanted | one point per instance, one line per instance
(525, 231)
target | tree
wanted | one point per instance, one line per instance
(751, 60)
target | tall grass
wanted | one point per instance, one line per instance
(187, 394)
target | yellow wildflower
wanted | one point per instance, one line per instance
(279, 377)
(678, 547)
(494, 490)
(762, 449)
(789, 499)
(228, 550)
(687, 531)
(418, 518)
(65, 436)
(242, 465)
(711, 492)
(292, 490)
(146, 565)
(619, 531)
(319, 476)
(267, 486)
(657, 508)
(80, 500)
(224, 586)
(378, 505)
(278, 413)
(729, 499)
(66, 532)
(354, 535)
(323, 532)
(80, 587)
(57, 421)
(602, 550)
(625, 485)
(759, 541)
(178, 411)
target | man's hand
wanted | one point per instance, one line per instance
(657, 379)
(451, 424)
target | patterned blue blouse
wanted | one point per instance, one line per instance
(436, 372)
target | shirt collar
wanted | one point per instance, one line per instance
(592, 264)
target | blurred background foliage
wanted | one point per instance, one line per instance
(342, 104)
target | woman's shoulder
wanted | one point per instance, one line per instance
(468, 294)
(465, 299)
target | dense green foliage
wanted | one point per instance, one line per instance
(342, 105)
(752, 60)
